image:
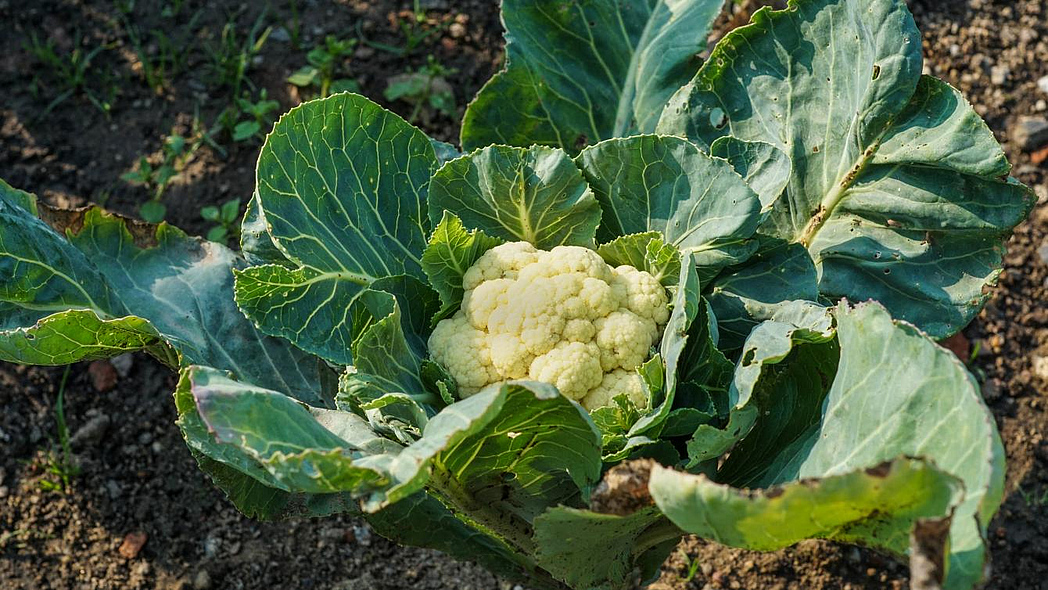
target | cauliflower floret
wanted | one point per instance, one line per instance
(624, 339)
(645, 296)
(562, 317)
(449, 340)
(573, 367)
(509, 356)
(615, 384)
(501, 262)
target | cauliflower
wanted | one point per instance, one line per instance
(562, 317)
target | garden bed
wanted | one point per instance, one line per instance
(137, 481)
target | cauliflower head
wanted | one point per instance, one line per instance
(562, 317)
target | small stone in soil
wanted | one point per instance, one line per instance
(202, 580)
(1043, 84)
(123, 364)
(1040, 366)
(133, 543)
(991, 390)
(1042, 253)
(999, 75)
(91, 432)
(1030, 133)
(103, 375)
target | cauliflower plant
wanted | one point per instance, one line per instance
(562, 317)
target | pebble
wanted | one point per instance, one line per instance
(103, 375)
(113, 489)
(133, 543)
(457, 30)
(280, 35)
(202, 580)
(4, 491)
(362, 533)
(991, 390)
(1043, 84)
(1030, 133)
(91, 432)
(211, 546)
(1042, 252)
(1000, 74)
(1041, 106)
(1040, 366)
(123, 364)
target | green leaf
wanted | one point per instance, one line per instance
(272, 433)
(875, 506)
(341, 222)
(246, 130)
(646, 251)
(513, 450)
(91, 285)
(763, 166)
(304, 76)
(578, 73)
(896, 393)
(451, 252)
(699, 204)
(586, 549)
(209, 213)
(535, 195)
(230, 210)
(756, 376)
(422, 521)
(895, 187)
(685, 303)
(381, 348)
(152, 211)
(217, 234)
(743, 296)
(445, 151)
(255, 242)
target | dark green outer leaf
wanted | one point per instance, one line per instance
(699, 204)
(109, 285)
(591, 550)
(580, 72)
(342, 191)
(763, 166)
(535, 195)
(742, 296)
(896, 392)
(895, 184)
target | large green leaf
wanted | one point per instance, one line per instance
(763, 166)
(759, 377)
(876, 506)
(658, 183)
(275, 439)
(895, 187)
(342, 194)
(579, 72)
(591, 550)
(86, 284)
(746, 294)
(534, 195)
(895, 393)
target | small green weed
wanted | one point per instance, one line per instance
(60, 465)
(426, 87)
(416, 29)
(1033, 498)
(692, 564)
(67, 74)
(160, 57)
(231, 57)
(226, 217)
(176, 153)
(246, 119)
(326, 70)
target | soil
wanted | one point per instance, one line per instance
(141, 515)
